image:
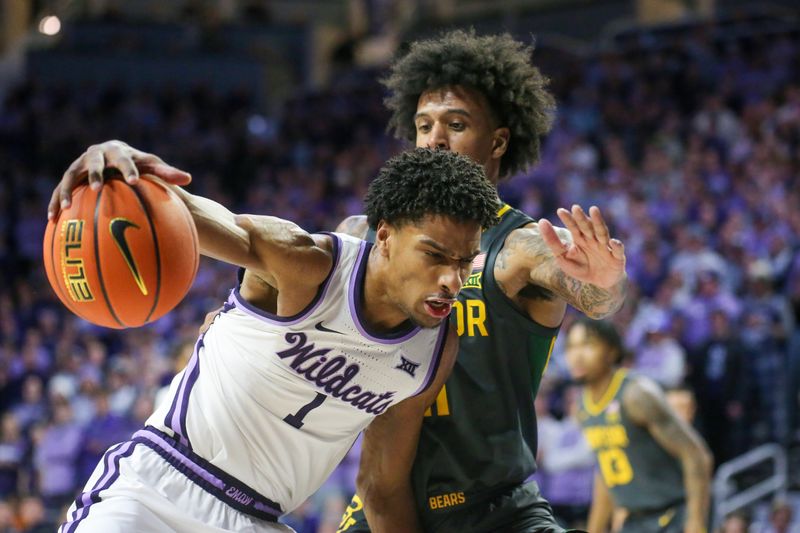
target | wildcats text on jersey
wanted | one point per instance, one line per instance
(332, 374)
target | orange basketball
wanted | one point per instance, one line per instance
(124, 255)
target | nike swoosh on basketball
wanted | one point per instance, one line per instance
(319, 327)
(117, 226)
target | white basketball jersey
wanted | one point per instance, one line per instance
(276, 402)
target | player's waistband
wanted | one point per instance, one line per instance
(210, 478)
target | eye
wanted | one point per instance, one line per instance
(424, 128)
(458, 126)
(435, 255)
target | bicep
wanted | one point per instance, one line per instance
(286, 253)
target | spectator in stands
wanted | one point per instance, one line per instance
(104, 430)
(56, 448)
(7, 517)
(33, 518)
(736, 522)
(781, 519)
(719, 374)
(13, 449)
(566, 461)
(660, 356)
(682, 400)
(33, 407)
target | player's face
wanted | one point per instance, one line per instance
(459, 119)
(429, 262)
(588, 357)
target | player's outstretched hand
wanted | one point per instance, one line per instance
(592, 256)
(129, 161)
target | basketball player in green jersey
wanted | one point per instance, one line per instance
(480, 96)
(651, 463)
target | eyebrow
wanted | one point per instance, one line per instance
(439, 248)
(451, 111)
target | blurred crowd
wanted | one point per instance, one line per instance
(690, 144)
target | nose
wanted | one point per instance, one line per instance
(438, 137)
(451, 281)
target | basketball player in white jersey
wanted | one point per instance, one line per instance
(339, 335)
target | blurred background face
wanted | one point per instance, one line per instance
(683, 403)
(428, 264)
(459, 119)
(588, 357)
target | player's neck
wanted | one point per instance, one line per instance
(493, 175)
(598, 387)
(380, 311)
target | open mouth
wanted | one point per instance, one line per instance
(439, 307)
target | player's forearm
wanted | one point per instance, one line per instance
(389, 512)
(219, 235)
(696, 480)
(593, 301)
(602, 507)
(599, 517)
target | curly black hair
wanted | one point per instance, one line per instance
(424, 182)
(496, 66)
(607, 333)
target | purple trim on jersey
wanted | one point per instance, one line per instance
(437, 357)
(190, 378)
(213, 480)
(272, 318)
(110, 474)
(176, 416)
(155, 440)
(400, 334)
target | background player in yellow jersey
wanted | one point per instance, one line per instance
(650, 462)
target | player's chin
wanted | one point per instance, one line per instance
(424, 320)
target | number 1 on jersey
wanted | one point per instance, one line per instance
(296, 419)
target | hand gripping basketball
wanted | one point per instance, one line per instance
(125, 254)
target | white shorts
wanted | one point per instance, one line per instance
(146, 485)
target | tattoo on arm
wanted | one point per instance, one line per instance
(646, 405)
(595, 302)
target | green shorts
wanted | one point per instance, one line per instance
(670, 520)
(517, 509)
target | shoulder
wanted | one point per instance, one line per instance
(355, 225)
(643, 399)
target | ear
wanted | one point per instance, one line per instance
(383, 237)
(500, 139)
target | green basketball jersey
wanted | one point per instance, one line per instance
(480, 435)
(640, 474)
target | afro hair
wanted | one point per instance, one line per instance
(497, 66)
